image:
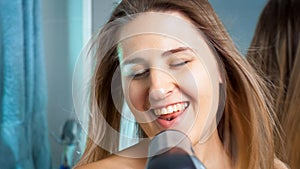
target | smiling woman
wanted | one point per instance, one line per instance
(176, 68)
(165, 83)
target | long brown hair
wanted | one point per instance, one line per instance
(275, 51)
(247, 125)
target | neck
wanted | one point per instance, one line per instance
(212, 153)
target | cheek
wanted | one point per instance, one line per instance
(197, 85)
(203, 92)
(195, 82)
(136, 96)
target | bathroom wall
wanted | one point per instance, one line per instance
(239, 18)
(62, 26)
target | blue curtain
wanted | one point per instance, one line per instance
(23, 93)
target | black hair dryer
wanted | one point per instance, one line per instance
(172, 149)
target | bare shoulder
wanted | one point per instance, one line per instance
(107, 163)
(115, 162)
(278, 164)
(130, 158)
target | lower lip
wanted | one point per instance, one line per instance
(167, 124)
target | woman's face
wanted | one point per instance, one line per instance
(165, 83)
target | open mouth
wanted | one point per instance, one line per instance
(170, 112)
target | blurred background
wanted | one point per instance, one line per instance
(66, 26)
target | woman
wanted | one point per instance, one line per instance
(177, 53)
(275, 51)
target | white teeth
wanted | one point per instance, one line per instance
(157, 111)
(175, 107)
(170, 109)
(163, 111)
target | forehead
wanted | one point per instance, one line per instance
(162, 31)
(148, 42)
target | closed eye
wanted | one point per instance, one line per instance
(140, 74)
(181, 63)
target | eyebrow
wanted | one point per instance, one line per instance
(164, 54)
(132, 61)
(176, 50)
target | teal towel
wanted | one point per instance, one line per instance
(23, 94)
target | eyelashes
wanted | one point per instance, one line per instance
(142, 73)
(180, 63)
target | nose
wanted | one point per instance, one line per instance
(161, 85)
